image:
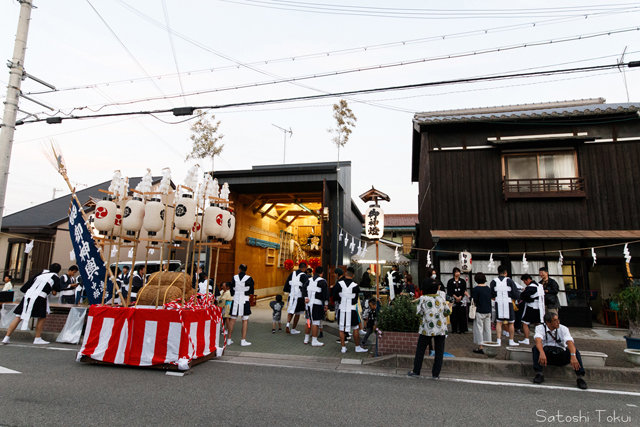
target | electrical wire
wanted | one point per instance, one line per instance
(362, 91)
(128, 51)
(387, 65)
(430, 14)
(173, 48)
(369, 48)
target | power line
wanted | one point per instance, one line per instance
(173, 48)
(325, 54)
(387, 65)
(189, 110)
(430, 14)
(127, 50)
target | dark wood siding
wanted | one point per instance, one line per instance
(466, 192)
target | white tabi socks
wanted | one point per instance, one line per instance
(294, 331)
(344, 349)
(525, 341)
(6, 340)
(229, 341)
(361, 350)
(513, 343)
(306, 339)
(40, 341)
(244, 343)
(316, 343)
(499, 341)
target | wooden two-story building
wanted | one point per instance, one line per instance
(547, 180)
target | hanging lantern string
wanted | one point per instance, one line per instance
(530, 253)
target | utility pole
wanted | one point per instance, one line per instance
(285, 131)
(16, 69)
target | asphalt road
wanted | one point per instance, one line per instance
(53, 390)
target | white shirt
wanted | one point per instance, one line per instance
(562, 336)
(7, 287)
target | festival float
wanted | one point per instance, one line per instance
(169, 326)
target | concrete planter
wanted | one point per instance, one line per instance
(397, 343)
(590, 359)
(633, 355)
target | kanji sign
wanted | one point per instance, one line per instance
(91, 265)
(374, 222)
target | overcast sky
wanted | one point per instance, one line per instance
(119, 54)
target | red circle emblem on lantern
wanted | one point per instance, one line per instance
(101, 212)
(196, 227)
(219, 219)
(118, 220)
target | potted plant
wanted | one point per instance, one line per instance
(628, 301)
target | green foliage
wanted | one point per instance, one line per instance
(345, 120)
(629, 302)
(205, 137)
(401, 316)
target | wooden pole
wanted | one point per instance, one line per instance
(108, 269)
(113, 278)
(164, 232)
(133, 266)
(215, 274)
(377, 273)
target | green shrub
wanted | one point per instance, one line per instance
(401, 316)
(629, 308)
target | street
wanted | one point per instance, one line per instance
(53, 390)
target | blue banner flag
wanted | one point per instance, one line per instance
(90, 263)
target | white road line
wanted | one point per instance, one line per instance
(468, 381)
(8, 371)
(41, 347)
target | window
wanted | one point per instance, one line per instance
(407, 241)
(16, 261)
(542, 175)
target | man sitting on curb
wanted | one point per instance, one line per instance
(554, 346)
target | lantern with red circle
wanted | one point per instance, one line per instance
(105, 216)
(212, 223)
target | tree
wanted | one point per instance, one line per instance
(345, 121)
(205, 137)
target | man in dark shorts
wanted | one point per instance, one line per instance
(35, 302)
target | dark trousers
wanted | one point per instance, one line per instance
(424, 342)
(518, 323)
(561, 360)
(367, 334)
(458, 318)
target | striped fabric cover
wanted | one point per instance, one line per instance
(148, 336)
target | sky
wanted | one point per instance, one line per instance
(103, 52)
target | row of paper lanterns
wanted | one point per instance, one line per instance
(218, 222)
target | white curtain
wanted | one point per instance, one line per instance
(483, 267)
(555, 270)
(534, 270)
(558, 166)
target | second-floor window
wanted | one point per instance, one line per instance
(543, 173)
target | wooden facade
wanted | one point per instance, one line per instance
(465, 194)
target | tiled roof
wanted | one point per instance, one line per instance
(590, 107)
(400, 220)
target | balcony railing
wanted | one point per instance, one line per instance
(544, 187)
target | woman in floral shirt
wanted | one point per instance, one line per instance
(434, 309)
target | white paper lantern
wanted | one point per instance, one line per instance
(153, 216)
(133, 216)
(232, 228)
(226, 222)
(105, 216)
(198, 234)
(374, 222)
(465, 262)
(213, 221)
(117, 224)
(185, 213)
(228, 226)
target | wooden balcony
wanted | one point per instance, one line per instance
(544, 188)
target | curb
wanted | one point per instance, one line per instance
(20, 335)
(508, 368)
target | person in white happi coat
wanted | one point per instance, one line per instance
(68, 286)
(295, 303)
(504, 291)
(242, 287)
(533, 297)
(35, 302)
(345, 294)
(316, 298)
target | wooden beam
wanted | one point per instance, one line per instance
(282, 215)
(260, 206)
(273, 205)
(292, 219)
(254, 202)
